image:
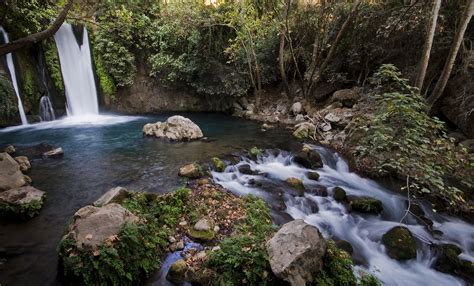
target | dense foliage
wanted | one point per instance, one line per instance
(403, 139)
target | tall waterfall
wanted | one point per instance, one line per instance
(11, 68)
(76, 68)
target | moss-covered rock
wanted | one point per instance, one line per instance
(400, 243)
(202, 235)
(313, 176)
(254, 152)
(365, 204)
(448, 258)
(247, 170)
(23, 203)
(296, 184)
(308, 158)
(339, 194)
(177, 271)
(218, 164)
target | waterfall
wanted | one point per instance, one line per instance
(76, 68)
(11, 68)
(46, 110)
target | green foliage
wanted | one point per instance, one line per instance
(243, 256)
(53, 65)
(23, 211)
(403, 139)
(255, 152)
(8, 103)
(337, 270)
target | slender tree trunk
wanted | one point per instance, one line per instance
(340, 35)
(448, 66)
(425, 57)
(281, 53)
(34, 38)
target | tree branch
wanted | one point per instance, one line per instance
(36, 37)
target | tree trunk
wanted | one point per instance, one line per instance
(340, 35)
(425, 57)
(281, 53)
(448, 66)
(34, 38)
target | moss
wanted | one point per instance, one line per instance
(28, 80)
(23, 212)
(366, 205)
(400, 243)
(52, 63)
(202, 235)
(106, 82)
(219, 165)
(255, 152)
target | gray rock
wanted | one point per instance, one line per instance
(296, 252)
(299, 118)
(10, 149)
(176, 128)
(191, 171)
(23, 162)
(10, 174)
(204, 224)
(114, 195)
(55, 153)
(24, 202)
(91, 226)
(304, 130)
(251, 107)
(347, 97)
(297, 108)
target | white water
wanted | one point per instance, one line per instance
(46, 110)
(364, 232)
(76, 68)
(11, 68)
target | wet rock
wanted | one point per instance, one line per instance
(347, 97)
(218, 164)
(23, 162)
(176, 128)
(191, 171)
(304, 130)
(313, 206)
(365, 204)
(297, 108)
(467, 269)
(296, 252)
(24, 202)
(10, 174)
(177, 271)
(114, 195)
(53, 154)
(36, 151)
(308, 158)
(296, 184)
(203, 230)
(91, 226)
(345, 245)
(247, 170)
(400, 243)
(10, 149)
(313, 176)
(339, 194)
(320, 191)
(447, 260)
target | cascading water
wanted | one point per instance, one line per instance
(46, 110)
(11, 68)
(76, 68)
(363, 231)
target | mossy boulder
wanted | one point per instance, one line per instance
(25, 202)
(308, 158)
(448, 258)
(313, 176)
(177, 271)
(400, 243)
(247, 170)
(218, 164)
(339, 194)
(203, 230)
(191, 171)
(296, 184)
(365, 204)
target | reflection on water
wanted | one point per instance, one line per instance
(100, 155)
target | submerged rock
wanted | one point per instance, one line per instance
(92, 225)
(448, 258)
(10, 174)
(23, 202)
(296, 252)
(308, 158)
(400, 243)
(114, 195)
(23, 162)
(176, 128)
(365, 204)
(247, 170)
(191, 171)
(36, 151)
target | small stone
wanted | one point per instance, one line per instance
(216, 229)
(313, 176)
(297, 108)
(201, 255)
(183, 223)
(299, 118)
(180, 245)
(203, 224)
(171, 239)
(54, 154)
(216, 248)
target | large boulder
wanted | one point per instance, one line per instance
(176, 128)
(91, 226)
(400, 243)
(23, 202)
(296, 252)
(308, 158)
(10, 174)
